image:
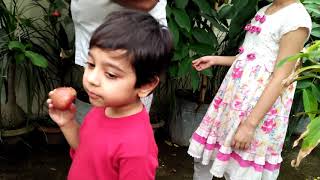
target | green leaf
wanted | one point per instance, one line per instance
(204, 37)
(309, 102)
(290, 58)
(313, 8)
(184, 67)
(316, 91)
(16, 45)
(202, 49)
(181, 3)
(37, 59)
(173, 70)
(203, 5)
(304, 84)
(215, 23)
(175, 31)
(207, 72)
(182, 18)
(226, 12)
(312, 139)
(19, 57)
(316, 32)
(168, 11)
(195, 80)
(181, 53)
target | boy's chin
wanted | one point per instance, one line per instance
(96, 103)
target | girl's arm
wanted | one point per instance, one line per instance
(208, 61)
(290, 44)
(144, 5)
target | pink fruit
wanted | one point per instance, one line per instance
(63, 97)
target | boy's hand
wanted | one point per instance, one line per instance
(203, 63)
(61, 117)
(243, 137)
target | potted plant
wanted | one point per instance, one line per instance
(201, 28)
(20, 63)
(54, 34)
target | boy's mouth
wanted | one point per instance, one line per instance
(92, 95)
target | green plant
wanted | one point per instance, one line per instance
(201, 28)
(18, 57)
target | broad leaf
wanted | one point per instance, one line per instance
(202, 49)
(16, 45)
(309, 102)
(175, 31)
(37, 59)
(311, 138)
(184, 67)
(182, 18)
(195, 79)
(181, 3)
(204, 37)
(203, 5)
(19, 57)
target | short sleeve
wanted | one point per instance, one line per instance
(297, 18)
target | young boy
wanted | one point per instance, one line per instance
(127, 54)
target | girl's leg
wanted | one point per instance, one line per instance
(201, 172)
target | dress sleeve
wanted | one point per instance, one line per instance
(295, 20)
(141, 168)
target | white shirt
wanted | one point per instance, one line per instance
(88, 15)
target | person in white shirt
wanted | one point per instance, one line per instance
(88, 15)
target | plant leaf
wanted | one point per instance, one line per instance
(202, 49)
(182, 18)
(204, 37)
(175, 31)
(16, 45)
(184, 67)
(181, 3)
(309, 102)
(195, 79)
(311, 138)
(37, 59)
(19, 57)
(203, 5)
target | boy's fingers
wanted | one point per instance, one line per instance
(50, 93)
(73, 108)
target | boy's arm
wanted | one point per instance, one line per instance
(71, 133)
(144, 5)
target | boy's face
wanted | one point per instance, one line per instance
(109, 79)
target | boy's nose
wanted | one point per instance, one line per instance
(94, 77)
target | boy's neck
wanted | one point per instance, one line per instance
(123, 111)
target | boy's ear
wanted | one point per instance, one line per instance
(146, 89)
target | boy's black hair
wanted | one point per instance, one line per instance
(147, 43)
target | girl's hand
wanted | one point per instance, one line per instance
(203, 62)
(243, 137)
(61, 117)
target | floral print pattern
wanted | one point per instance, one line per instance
(237, 96)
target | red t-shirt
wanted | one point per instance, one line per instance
(115, 148)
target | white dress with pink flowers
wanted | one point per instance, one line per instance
(239, 92)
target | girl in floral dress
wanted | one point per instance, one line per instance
(242, 134)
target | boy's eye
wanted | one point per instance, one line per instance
(111, 76)
(90, 65)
